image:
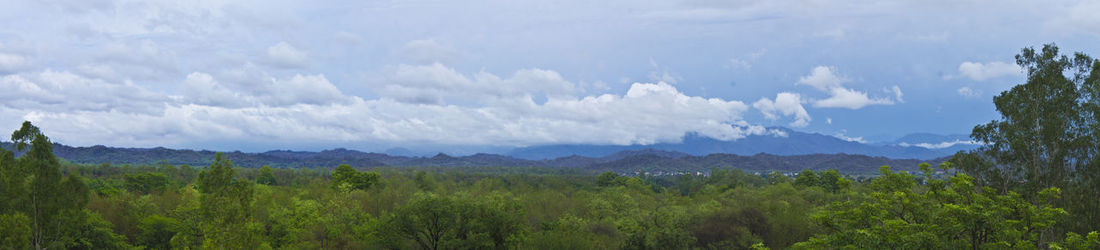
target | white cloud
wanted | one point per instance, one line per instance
(982, 71)
(897, 93)
(745, 63)
(437, 84)
(822, 78)
(284, 55)
(285, 109)
(968, 93)
(660, 74)
(11, 62)
(840, 135)
(828, 120)
(940, 145)
(850, 99)
(67, 92)
(785, 104)
(427, 51)
(203, 89)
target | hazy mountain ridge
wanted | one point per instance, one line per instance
(794, 143)
(645, 160)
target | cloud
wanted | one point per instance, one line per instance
(983, 71)
(840, 135)
(309, 108)
(660, 74)
(141, 60)
(968, 93)
(11, 62)
(437, 84)
(427, 51)
(822, 78)
(203, 89)
(785, 104)
(850, 99)
(940, 145)
(745, 63)
(284, 55)
(62, 91)
(897, 93)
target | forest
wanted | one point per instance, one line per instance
(1033, 185)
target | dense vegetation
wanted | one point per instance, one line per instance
(1033, 185)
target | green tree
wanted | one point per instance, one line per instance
(146, 182)
(608, 179)
(48, 195)
(424, 181)
(832, 181)
(157, 231)
(807, 178)
(1048, 134)
(15, 231)
(226, 207)
(946, 214)
(775, 177)
(460, 222)
(347, 178)
(267, 176)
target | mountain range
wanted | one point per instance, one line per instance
(783, 150)
(784, 142)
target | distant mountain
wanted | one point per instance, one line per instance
(793, 143)
(628, 161)
(655, 164)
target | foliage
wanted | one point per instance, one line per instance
(1048, 135)
(951, 213)
(347, 178)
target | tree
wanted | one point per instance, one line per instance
(267, 177)
(832, 181)
(424, 181)
(458, 222)
(775, 177)
(1048, 134)
(608, 179)
(157, 231)
(15, 231)
(226, 207)
(347, 178)
(48, 195)
(946, 214)
(146, 182)
(807, 178)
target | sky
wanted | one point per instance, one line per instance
(371, 75)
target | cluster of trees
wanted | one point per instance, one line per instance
(225, 206)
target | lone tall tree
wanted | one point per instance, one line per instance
(1048, 134)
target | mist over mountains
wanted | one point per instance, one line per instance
(923, 146)
(790, 151)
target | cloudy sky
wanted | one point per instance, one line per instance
(260, 75)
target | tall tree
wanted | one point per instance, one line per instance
(54, 203)
(1048, 133)
(225, 204)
